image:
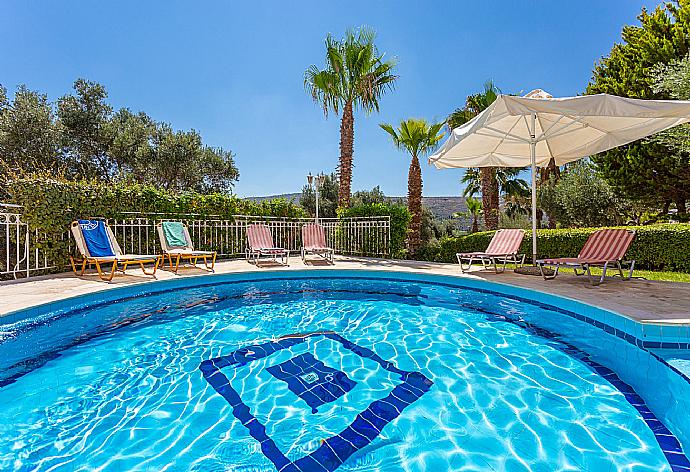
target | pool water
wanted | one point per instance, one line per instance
(320, 374)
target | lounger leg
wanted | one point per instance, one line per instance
(549, 277)
(155, 267)
(630, 272)
(462, 268)
(74, 267)
(603, 275)
(213, 262)
(107, 278)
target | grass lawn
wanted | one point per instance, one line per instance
(645, 274)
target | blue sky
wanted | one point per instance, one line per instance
(234, 70)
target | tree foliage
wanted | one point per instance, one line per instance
(355, 76)
(81, 137)
(328, 198)
(674, 80)
(646, 170)
(582, 198)
(28, 132)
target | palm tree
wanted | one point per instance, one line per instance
(417, 137)
(355, 76)
(507, 181)
(474, 208)
(474, 105)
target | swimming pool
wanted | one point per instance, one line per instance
(335, 370)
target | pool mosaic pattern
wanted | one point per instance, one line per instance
(312, 380)
(513, 389)
(338, 448)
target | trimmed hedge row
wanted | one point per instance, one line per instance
(400, 221)
(656, 247)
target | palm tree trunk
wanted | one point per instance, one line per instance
(475, 223)
(414, 203)
(347, 140)
(490, 198)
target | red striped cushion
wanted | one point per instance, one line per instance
(259, 236)
(505, 241)
(607, 245)
(313, 236)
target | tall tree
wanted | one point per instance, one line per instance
(645, 170)
(85, 139)
(179, 161)
(28, 138)
(83, 119)
(417, 137)
(474, 105)
(355, 77)
(130, 142)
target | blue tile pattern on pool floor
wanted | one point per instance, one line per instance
(335, 450)
(312, 380)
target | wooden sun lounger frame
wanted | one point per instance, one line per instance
(488, 258)
(184, 253)
(119, 258)
(586, 264)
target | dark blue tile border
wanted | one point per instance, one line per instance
(338, 448)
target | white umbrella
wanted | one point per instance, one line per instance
(531, 130)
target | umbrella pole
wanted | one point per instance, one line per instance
(533, 156)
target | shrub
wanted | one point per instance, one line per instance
(400, 220)
(656, 247)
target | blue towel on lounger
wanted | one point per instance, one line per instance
(96, 238)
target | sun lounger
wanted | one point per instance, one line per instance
(97, 245)
(504, 247)
(260, 243)
(176, 244)
(314, 242)
(604, 248)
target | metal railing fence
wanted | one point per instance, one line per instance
(21, 254)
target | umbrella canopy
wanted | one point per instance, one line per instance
(531, 130)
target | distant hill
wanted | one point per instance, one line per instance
(442, 207)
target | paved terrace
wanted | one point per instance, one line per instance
(642, 300)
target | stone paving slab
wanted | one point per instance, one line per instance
(642, 300)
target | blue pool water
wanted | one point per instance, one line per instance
(332, 373)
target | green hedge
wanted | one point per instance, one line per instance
(656, 247)
(400, 221)
(50, 205)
